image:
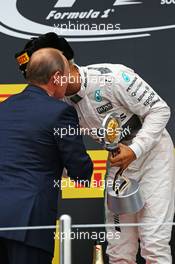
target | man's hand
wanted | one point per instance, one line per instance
(123, 158)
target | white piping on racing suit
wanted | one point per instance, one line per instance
(144, 115)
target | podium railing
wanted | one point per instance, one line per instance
(65, 239)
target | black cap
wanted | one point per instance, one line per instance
(48, 40)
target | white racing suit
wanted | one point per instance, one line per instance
(144, 115)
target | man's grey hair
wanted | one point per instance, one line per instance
(42, 65)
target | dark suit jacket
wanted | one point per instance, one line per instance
(31, 157)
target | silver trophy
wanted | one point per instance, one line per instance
(124, 196)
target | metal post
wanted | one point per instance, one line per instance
(65, 239)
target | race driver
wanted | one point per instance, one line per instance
(145, 150)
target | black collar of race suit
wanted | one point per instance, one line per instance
(84, 81)
(76, 98)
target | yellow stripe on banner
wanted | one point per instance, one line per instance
(7, 90)
(69, 191)
(11, 88)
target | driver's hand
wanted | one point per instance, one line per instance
(123, 157)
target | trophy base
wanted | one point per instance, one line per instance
(128, 201)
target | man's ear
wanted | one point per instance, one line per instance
(60, 82)
(57, 78)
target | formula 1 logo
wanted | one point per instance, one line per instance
(70, 3)
(75, 22)
(65, 3)
(126, 2)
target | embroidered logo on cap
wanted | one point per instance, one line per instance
(23, 58)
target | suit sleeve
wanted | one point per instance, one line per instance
(138, 96)
(70, 144)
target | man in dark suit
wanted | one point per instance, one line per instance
(33, 154)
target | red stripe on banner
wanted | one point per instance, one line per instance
(100, 168)
(98, 178)
(5, 95)
(99, 161)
